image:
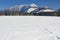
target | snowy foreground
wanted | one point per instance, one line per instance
(29, 28)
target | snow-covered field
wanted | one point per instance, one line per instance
(29, 28)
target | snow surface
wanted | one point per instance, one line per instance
(46, 10)
(29, 28)
(31, 9)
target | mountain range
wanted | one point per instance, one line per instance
(26, 8)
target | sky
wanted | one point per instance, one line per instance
(50, 3)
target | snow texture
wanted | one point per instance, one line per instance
(29, 28)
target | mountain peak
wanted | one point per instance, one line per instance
(33, 5)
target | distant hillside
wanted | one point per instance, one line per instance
(32, 9)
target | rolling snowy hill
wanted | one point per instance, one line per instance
(29, 28)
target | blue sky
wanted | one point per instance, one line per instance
(55, 4)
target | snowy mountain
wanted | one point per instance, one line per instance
(32, 8)
(22, 8)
